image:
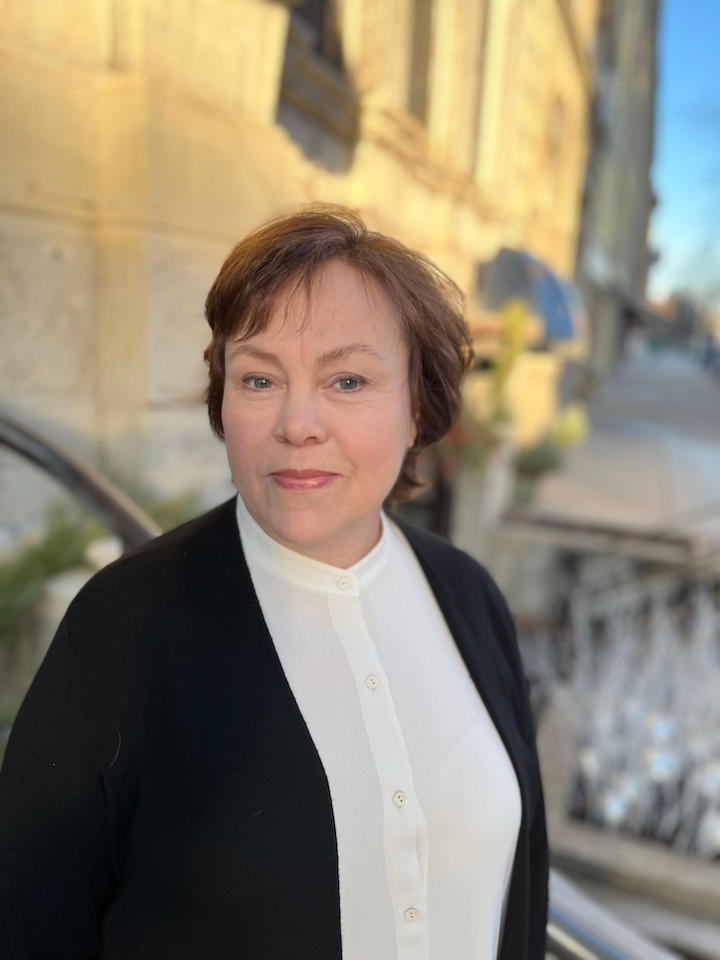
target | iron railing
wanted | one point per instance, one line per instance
(106, 500)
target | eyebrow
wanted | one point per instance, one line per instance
(341, 353)
(331, 356)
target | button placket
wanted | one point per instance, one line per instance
(407, 885)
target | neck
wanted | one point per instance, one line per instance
(343, 550)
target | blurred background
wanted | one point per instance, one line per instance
(560, 159)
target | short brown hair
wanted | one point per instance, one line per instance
(429, 306)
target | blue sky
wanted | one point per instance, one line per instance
(686, 172)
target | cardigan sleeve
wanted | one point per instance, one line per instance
(539, 878)
(55, 867)
(538, 850)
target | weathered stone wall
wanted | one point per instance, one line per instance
(140, 143)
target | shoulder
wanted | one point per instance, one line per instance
(461, 574)
(468, 595)
(181, 563)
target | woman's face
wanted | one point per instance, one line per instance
(317, 416)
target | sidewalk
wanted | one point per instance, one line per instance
(652, 461)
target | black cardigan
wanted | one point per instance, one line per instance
(161, 797)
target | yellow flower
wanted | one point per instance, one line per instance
(478, 396)
(571, 426)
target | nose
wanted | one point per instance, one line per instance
(300, 419)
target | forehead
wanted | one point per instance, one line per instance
(338, 299)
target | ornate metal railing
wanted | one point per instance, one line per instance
(106, 500)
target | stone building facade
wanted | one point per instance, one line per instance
(143, 138)
(613, 252)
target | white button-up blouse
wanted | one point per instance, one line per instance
(425, 799)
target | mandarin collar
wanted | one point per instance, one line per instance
(304, 571)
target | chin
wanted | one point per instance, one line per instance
(304, 525)
(304, 531)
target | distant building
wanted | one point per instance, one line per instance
(613, 253)
(712, 323)
(142, 140)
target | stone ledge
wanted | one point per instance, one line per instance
(631, 864)
(695, 939)
(637, 866)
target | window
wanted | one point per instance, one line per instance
(318, 104)
(322, 16)
(420, 58)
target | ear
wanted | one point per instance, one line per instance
(413, 435)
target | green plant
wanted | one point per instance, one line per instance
(67, 533)
(171, 512)
(541, 458)
(65, 537)
(485, 418)
(468, 442)
(533, 463)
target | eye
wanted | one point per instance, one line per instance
(349, 384)
(259, 383)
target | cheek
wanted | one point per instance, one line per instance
(245, 434)
(377, 441)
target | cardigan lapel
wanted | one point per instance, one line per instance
(481, 649)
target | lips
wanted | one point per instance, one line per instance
(300, 480)
(302, 474)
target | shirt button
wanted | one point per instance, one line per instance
(400, 798)
(411, 914)
(372, 681)
(344, 583)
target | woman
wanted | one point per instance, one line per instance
(296, 727)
